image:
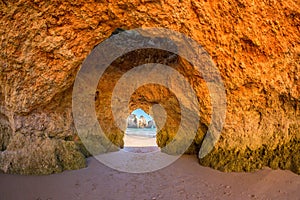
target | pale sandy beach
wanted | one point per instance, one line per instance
(137, 141)
(184, 179)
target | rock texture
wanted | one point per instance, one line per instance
(255, 45)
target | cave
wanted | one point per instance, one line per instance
(148, 96)
(45, 45)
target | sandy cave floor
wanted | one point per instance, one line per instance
(183, 179)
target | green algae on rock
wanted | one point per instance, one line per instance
(284, 156)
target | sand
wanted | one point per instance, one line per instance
(138, 141)
(184, 179)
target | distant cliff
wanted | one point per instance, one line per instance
(134, 122)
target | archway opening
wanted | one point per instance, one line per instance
(113, 119)
(140, 134)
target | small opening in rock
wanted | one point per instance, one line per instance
(140, 134)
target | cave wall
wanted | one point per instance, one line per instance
(255, 45)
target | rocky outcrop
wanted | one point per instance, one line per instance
(255, 45)
(151, 124)
(132, 121)
(41, 143)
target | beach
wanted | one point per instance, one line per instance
(139, 141)
(184, 179)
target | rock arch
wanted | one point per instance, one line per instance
(44, 45)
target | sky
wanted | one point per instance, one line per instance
(139, 112)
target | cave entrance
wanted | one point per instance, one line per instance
(140, 134)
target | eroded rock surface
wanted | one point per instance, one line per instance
(255, 45)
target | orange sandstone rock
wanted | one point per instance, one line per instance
(254, 44)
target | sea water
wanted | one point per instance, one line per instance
(143, 132)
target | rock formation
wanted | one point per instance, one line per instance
(132, 121)
(151, 124)
(254, 44)
(142, 122)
